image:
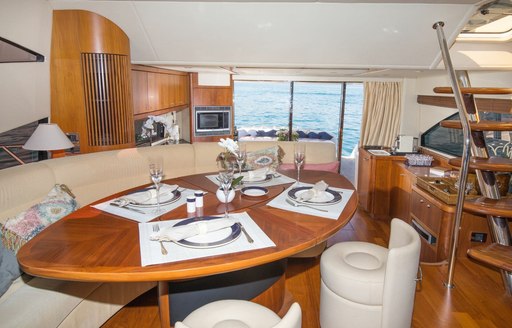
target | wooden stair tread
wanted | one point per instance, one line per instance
(498, 164)
(499, 256)
(476, 91)
(480, 126)
(488, 206)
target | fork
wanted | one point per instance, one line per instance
(304, 205)
(156, 228)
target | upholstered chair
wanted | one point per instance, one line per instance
(364, 285)
(240, 314)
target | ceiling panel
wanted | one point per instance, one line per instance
(293, 35)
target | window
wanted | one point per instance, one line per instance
(263, 108)
(492, 22)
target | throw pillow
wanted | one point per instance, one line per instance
(18, 230)
(9, 269)
(268, 157)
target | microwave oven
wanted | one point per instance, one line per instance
(212, 120)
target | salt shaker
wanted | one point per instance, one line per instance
(199, 198)
(191, 204)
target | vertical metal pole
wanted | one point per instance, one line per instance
(342, 119)
(465, 154)
(290, 113)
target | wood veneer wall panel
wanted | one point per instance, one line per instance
(483, 104)
(106, 86)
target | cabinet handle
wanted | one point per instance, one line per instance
(366, 159)
(422, 201)
(428, 205)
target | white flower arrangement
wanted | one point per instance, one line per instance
(229, 145)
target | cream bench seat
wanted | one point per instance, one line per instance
(38, 302)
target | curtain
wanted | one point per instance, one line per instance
(381, 113)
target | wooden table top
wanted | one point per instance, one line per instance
(91, 245)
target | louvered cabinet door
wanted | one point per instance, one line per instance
(90, 78)
(109, 119)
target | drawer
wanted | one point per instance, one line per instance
(428, 213)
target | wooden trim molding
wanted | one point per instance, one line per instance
(503, 106)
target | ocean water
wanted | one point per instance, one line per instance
(316, 107)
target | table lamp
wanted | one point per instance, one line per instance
(48, 137)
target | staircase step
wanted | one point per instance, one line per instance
(480, 126)
(498, 164)
(496, 255)
(487, 206)
(476, 91)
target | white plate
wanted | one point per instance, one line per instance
(329, 197)
(165, 199)
(254, 191)
(211, 239)
(246, 179)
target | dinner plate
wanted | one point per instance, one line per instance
(254, 191)
(165, 199)
(330, 196)
(246, 180)
(211, 239)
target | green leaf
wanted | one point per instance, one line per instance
(236, 181)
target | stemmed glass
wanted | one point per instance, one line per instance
(240, 156)
(156, 172)
(226, 172)
(299, 155)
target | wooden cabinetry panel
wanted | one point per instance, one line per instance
(157, 91)
(91, 90)
(375, 182)
(403, 180)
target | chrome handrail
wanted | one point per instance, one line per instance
(10, 153)
(465, 153)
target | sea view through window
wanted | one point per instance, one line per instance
(316, 108)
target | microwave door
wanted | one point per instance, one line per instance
(208, 121)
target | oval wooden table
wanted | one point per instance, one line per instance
(92, 245)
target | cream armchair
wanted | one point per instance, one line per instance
(365, 285)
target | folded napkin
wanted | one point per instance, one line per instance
(148, 196)
(193, 229)
(317, 192)
(257, 175)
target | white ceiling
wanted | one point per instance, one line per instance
(322, 38)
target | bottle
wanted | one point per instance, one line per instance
(199, 198)
(191, 204)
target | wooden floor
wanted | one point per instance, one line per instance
(478, 299)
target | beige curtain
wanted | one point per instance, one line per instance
(381, 113)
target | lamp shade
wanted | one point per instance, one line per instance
(48, 136)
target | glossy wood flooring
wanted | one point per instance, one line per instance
(478, 299)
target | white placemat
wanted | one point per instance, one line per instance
(277, 179)
(143, 214)
(150, 252)
(333, 211)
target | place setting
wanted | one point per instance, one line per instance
(196, 237)
(317, 199)
(146, 204)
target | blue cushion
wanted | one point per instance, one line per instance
(271, 133)
(9, 268)
(313, 135)
(260, 133)
(324, 136)
(302, 134)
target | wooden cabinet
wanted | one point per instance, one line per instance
(400, 203)
(91, 90)
(157, 91)
(375, 182)
(433, 219)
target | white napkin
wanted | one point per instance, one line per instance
(257, 175)
(146, 196)
(192, 229)
(318, 191)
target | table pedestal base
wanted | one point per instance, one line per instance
(263, 284)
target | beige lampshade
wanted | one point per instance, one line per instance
(48, 136)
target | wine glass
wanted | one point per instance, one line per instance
(156, 172)
(240, 156)
(299, 155)
(226, 172)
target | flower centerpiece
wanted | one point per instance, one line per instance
(228, 155)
